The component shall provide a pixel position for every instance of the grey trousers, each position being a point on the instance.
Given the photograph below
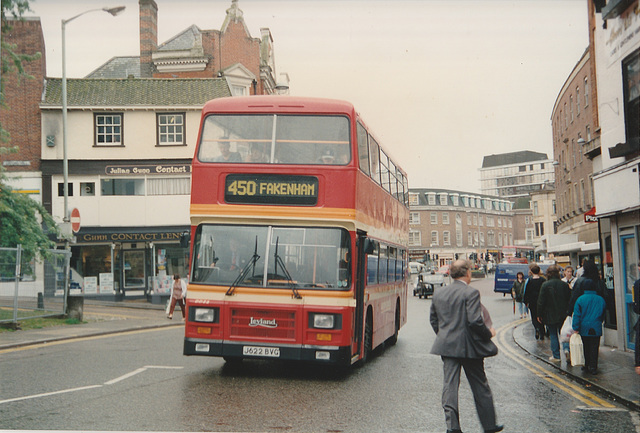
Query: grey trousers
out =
(474, 370)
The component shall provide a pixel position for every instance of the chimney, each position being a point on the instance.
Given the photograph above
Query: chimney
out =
(148, 36)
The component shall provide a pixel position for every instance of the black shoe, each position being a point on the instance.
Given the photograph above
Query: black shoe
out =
(537, 334)
(454, 431)
(495, 429)
(583, 368)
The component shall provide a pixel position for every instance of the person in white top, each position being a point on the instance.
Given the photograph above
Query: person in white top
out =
(178, 294)
(568, 276)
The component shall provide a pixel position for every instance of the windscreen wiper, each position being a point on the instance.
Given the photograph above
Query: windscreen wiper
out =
(278, 261)
(245, 271)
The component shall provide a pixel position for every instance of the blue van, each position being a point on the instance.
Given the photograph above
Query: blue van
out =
(506, 274)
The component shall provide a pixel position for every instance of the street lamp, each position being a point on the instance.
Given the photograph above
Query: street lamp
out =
(65, 162)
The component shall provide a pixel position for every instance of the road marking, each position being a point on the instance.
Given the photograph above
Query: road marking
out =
(47, 394)
(568, 387)
(84, 388)
(139, 370)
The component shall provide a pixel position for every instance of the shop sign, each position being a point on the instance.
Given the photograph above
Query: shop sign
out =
(590, 216)
(128, 237)
(136, 170)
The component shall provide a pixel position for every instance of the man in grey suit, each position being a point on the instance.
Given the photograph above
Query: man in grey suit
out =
(463, 340)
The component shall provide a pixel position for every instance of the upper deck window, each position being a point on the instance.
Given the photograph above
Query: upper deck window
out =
(275, 139)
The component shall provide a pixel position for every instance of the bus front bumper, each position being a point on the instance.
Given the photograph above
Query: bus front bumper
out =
(294, 352)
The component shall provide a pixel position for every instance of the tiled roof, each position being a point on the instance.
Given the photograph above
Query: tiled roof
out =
(118, 67)
(512, 158)
(135, 92)
(184, 40)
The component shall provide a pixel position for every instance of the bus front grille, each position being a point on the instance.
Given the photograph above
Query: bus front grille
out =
(260, 323)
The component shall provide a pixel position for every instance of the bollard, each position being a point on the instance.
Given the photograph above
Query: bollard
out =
(40, 301)
(75, 305)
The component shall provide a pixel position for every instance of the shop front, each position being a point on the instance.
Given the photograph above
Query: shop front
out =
(119, 263)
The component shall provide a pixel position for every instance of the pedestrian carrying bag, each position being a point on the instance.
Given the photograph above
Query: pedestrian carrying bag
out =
(577, 353)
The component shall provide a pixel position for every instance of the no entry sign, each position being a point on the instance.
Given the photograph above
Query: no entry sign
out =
(75, 220)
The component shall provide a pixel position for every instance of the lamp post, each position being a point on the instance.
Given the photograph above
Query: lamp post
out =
(65, 162)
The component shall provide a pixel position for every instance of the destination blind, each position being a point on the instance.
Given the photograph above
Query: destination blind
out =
(271, 189)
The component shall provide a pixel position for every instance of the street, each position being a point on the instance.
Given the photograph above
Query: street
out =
(140, 381)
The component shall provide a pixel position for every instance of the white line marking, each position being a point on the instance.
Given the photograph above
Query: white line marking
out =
(126, 376)
(46, 394)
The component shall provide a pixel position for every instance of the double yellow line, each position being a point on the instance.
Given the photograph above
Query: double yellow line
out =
(574, 390)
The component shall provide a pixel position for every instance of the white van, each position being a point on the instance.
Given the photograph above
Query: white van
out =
(416, 267)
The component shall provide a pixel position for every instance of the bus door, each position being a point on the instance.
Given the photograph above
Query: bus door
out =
(364, 246)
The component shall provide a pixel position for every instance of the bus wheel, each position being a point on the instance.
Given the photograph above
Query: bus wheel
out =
(368, 339)
(394, 338)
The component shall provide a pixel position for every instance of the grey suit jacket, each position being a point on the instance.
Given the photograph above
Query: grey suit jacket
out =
(456, 318)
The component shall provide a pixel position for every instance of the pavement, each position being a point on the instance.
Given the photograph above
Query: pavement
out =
(616, 376)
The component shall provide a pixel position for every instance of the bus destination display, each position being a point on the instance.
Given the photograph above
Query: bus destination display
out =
(271, 189)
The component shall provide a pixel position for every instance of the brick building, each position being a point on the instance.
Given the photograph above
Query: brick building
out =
(247, 63)
(21, 116)
(575, 134)
(447, 223)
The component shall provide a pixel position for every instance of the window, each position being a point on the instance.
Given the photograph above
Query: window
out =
(69, 189)
(586, 92)
(431, 198)
(434, 238)
(583, 195)
(169, 186)
(475, 220)
(481, 239)
(434, 218)
(539, 229)
(578, 101)
(415, 238)
(87, 188)
(443, 199)
(414, 200)
(414, 218)
(500, 239)
(171, 129)
(446, 238)
(445, 218)
(122, 186)
(571, 106)
(468, 219)
(535, 208)
(526, 219)
(469, 239)
(491, 238)
(553, 207)
(522, 168)
(529, 235)
(108, 128)
(631, 83)
(363, 149)
(455, 200)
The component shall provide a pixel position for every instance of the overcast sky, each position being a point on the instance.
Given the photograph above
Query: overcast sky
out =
(441, 83)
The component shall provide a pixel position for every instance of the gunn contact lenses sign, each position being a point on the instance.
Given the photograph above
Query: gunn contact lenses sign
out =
(271, 189)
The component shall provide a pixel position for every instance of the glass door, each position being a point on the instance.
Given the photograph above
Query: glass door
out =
(629, 249)
(134, 270)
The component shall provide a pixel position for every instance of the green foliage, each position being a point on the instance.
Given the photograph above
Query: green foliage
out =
(20, 218)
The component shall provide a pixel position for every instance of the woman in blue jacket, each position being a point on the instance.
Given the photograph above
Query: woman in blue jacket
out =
(588, 315)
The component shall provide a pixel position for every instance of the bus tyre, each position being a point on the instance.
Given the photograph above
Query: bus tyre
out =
(394, 338)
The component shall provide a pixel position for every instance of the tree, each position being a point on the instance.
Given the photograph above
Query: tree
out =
(22, 219)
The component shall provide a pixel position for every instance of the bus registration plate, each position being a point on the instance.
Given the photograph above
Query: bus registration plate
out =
(273, 352)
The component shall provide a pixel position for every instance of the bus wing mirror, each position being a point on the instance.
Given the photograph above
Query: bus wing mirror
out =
(369, 246)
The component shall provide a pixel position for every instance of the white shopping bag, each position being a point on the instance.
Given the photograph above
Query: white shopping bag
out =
(577, 353)
(566, 331)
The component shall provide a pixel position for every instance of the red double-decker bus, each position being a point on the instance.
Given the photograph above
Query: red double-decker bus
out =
(299, 228)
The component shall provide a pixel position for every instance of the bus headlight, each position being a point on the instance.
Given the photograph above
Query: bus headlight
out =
(204, 315)
(323, 321)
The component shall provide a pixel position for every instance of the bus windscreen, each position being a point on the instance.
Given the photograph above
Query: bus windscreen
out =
(275, 139)
(269, 256)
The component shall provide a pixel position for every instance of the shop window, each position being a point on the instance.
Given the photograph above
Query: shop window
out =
(631, 74)
(122, 186)
(169, 186)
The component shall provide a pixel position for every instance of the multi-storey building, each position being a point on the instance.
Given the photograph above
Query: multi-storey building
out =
(445, 224)
(615, 44)
(574, 125)
(515, 174)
